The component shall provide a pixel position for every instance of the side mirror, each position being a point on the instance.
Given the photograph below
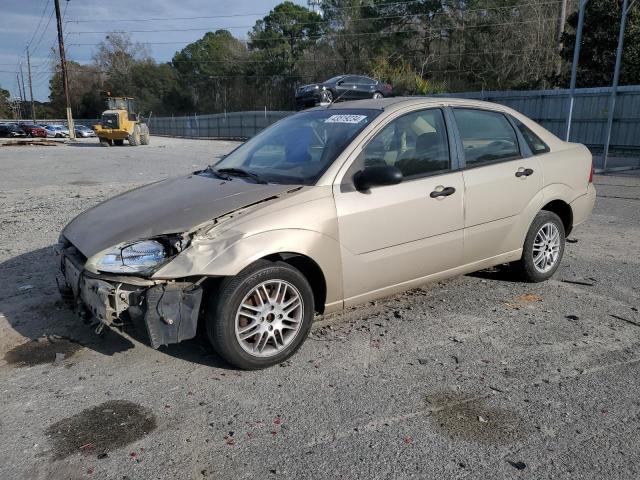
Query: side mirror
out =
(339, 82)
(377, 175)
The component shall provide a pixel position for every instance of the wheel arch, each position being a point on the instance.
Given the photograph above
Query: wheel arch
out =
(563, 210)
(310, 270)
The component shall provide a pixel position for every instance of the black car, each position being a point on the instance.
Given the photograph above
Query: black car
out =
(11, 130)
(342, 87)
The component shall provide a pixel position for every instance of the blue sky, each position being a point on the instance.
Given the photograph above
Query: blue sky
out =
(32, 21)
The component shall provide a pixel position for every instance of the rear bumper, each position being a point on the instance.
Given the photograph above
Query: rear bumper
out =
(583, 205)
(169, 310)
(111, 133)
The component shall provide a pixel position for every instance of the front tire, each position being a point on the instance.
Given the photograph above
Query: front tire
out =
(260, 317)
(377, 95)
(543, 248)
(134, 138)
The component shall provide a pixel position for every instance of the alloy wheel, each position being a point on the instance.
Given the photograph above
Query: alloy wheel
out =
(269, 318)
(546, 247)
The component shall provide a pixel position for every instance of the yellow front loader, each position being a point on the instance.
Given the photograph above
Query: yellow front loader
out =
(120, 122)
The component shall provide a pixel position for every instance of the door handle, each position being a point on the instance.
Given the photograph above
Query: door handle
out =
(441, 192)
(524, 172)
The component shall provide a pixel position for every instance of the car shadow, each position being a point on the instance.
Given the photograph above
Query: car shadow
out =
(502, 273)
(83, 144)
(31, 304)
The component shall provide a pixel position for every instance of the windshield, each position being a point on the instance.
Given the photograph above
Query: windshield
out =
(298, 149)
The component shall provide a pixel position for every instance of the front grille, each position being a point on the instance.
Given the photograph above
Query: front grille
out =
(110, 120)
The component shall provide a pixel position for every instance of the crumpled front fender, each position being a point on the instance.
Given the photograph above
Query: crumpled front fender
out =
(229, 254)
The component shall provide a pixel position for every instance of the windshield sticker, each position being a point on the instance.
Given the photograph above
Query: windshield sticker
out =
(345, 119)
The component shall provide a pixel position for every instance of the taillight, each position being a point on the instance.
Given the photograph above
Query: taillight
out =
(591, 173)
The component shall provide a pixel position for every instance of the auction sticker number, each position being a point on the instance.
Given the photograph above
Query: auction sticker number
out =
(345, 119)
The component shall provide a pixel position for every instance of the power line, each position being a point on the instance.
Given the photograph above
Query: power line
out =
(364, 19)
(346, 35)
(288, 14)
(35, 32)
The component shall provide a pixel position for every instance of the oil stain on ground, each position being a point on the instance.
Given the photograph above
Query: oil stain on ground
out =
(100, 429)
(465, 417)
(41, 351)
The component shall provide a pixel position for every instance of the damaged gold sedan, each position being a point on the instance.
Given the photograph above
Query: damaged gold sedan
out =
(326, 209)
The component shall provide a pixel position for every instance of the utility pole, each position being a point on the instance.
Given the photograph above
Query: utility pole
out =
(24, 92)
(33, 110)
(19, 93)
(63, 66)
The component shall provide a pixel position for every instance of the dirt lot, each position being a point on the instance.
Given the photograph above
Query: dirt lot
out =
(475, 377)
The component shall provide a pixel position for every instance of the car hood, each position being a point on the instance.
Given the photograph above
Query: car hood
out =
(169, 206)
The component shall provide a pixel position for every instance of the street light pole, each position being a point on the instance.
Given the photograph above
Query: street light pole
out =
(63, 66)
(574, 64)
(616, 79)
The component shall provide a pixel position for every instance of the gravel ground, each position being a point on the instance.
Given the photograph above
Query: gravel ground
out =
(475, 377)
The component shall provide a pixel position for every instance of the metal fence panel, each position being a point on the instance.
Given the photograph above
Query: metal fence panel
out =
(550, 108)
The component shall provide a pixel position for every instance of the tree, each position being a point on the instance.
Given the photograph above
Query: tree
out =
(210, 69)
(283, 48)
(600, 42)
(5, 107)
(85, 83)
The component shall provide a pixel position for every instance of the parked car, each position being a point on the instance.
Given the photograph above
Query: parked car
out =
(84, 131)
(11, 130)
(342, 87)
(327, 209)
(33, 130)
(58, 131)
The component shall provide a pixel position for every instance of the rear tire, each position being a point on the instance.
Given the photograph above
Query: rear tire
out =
(144, 135)
(267, 286)
(104, 142)
(326, 96)
(134, 138)
(543, 248)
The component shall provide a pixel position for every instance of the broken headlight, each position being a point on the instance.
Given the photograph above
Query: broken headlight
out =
(138, 257)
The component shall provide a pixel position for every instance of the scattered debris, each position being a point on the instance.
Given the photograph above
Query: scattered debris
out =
(408, 440)
(528, 298)
(625, 320)
(34, 142)
(102, 455)
(571, 240)
(577, 282)
(518, 465)
(481, 419)
(572, 317)
(523, 300)
(25, 287)
(423, 361)
(59, 358)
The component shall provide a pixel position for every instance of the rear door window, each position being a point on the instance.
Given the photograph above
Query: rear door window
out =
(487, 136)
(535, 143)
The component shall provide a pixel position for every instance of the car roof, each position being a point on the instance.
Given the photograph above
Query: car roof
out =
(394, 103)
